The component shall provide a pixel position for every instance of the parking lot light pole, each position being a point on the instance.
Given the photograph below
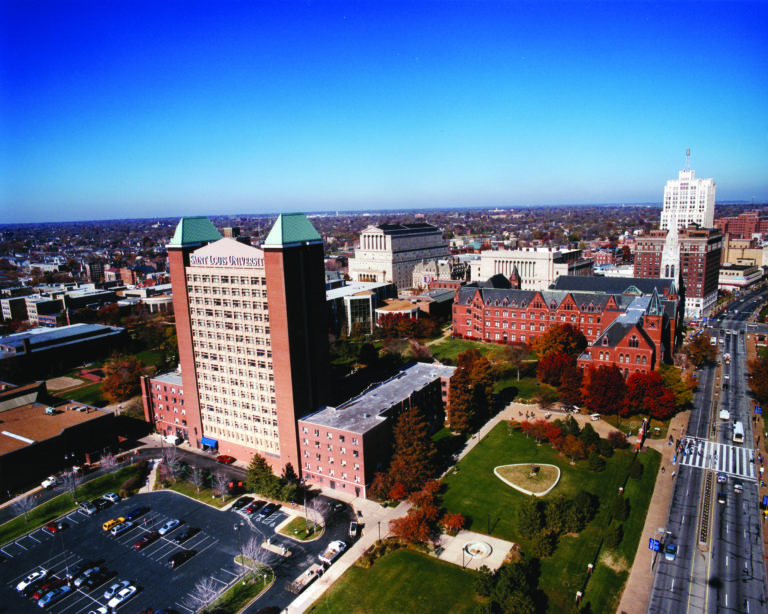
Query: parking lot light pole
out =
(306, 518)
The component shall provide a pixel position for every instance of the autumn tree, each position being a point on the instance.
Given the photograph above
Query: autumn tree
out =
(562, 338)
(471, 392)
(672, 380)
(700, 350)
(573, 447)
(413, 458)
(552, 366)
(570, 386)
(515, 356)
(452, 523)
(646, 394)
(604, 390)
(758, 380)
(121, 378)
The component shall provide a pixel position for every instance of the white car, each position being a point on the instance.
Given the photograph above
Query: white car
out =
(121, 528)
(112, 496)
(169, 526)
(35, 575)
(50, 482)
(116, 588)
(122, 596)
(87, 574)
(101, 610)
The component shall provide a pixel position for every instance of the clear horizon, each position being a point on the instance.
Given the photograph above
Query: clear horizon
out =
(137, 110)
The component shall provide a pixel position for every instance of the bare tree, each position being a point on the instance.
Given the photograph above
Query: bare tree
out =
(197, 477)
(256, 558)
(70, 479)
(109, 460)
(172, 461)
(220, 482)
(318, 512)
(202, 594)
(23, 505)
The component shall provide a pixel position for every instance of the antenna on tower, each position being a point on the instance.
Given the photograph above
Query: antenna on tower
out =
(688, 159)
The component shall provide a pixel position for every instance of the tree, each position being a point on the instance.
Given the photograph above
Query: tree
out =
(604, 390)
(596, 462)
(613, 536)
(620, 508)
(318, 511)
(220, 482)
(544, 543)
(412, 528)
(573, 447)
(108, 461)
(588, 435)
(471, 392)
(530, 519)
(562, 338)
(121, 378)
(515, 356)
(647, 394)
(23, 505)
(570, 386)
(520, 603)
(545, 397)
(552, 366)
(700, 350)
(452, 523)
(580, 511)
(197, 477)
(260, 479)
(70, 480)
(413, 457)
(663, 407)
(758, 379)
(256, 558)
(618, 439)
(203, 593)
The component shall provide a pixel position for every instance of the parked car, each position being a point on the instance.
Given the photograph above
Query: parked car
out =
(146, 540)
(88, 508)
(722, 498)
(738, 487)
(96, 580)
(184, 535)
(54, 527)
(49, 482)
(121, 528)
(226, 459)
(123, 596)
(670, 552)
(111, 523)
(169, 526)
(135, 513)
(87, 574)
(79, 568)
(112, 496)
(353, 529)
(180, 557)
(722, 478)
(116, 588)
(47, 587)
(254, 507)
(241, 503)
(101, 503)
(268, 510)
(40, 574)
(53, 596)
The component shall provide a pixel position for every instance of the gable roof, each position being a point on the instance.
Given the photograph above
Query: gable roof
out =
(614, 285)
(194, 230)
(292, 229)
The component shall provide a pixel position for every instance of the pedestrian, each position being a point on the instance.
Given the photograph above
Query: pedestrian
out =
(663, 469)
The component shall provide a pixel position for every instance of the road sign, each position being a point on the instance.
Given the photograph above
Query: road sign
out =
(758, 409)
(653, 544)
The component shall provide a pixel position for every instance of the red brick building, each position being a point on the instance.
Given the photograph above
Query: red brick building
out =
(163, 398)
(343, 447)
(744, 226)
(648, 249)
(626, 321)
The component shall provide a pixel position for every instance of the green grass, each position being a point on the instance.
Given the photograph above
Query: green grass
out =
(297, 528)
(402, 581)
(239, 595)
(149, 358)
(64, 503)
(526, 387)
(206, 495)
(633, 424)
(90, 395)
(449, 349)
(478, 494)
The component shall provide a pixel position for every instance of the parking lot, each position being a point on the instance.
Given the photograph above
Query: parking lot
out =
(216, 544)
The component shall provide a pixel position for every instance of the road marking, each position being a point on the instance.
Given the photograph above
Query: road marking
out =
(726, 600)
(231, 573)
(183, 607)
(208, 546)
(30, 537)
(19, 545)
(726, 561)
(672, 589)
(5, 553)
(69, 517)
(217, 580)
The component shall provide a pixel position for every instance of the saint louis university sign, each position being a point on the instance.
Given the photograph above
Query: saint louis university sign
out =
(227, 253)
(226, 261)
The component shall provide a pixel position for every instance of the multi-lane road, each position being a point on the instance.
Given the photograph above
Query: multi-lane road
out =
(719, 562)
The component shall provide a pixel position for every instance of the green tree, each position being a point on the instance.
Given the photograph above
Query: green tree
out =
(530, 519)
(613, 536)
(544, 543)
(581, 509)
(596, 462)
(620, 507)
(589, 436)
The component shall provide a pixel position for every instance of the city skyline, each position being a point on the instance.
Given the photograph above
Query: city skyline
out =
(138, 110)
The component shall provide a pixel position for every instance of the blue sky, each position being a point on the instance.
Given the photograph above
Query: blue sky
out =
(134, 109)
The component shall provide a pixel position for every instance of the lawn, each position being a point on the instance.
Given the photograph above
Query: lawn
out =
(485, 500)
(91, 395)
(402, 581)
(149, 358)
(297, 528)
(206, 495)
(448, 349)
(240, 595)
(526, 387)
(633, 424)
(64, 503)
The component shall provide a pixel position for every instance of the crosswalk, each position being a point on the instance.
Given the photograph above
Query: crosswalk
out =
(720, 457)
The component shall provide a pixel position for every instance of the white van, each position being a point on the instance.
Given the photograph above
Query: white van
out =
(174, 440)
(594, 417)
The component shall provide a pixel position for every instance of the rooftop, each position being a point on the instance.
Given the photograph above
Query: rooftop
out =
(367, 410)
(49, 337)
(292, 229)
(171, 377)
(193, 231)
(354, 287)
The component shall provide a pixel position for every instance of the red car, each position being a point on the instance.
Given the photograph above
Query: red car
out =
(54, 527)
(226, 459)
(48, 586)
(147, 539)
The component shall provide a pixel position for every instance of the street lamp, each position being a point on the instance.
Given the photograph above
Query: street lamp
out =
(306, 518)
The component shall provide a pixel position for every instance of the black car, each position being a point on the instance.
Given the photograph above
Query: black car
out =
(96, 580)
(180, 538)
(241, 503)
(79, 568)
(139, 511)
(268, 510)
(180, 557)
(100, 503)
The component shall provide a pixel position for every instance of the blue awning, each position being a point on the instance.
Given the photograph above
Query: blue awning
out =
(211, 443)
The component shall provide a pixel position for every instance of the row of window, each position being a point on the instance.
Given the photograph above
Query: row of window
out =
(328, 435)
(331, 473)
(226, 279)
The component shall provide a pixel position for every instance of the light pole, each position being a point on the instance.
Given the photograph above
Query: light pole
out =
(306, 518)
(379, 530)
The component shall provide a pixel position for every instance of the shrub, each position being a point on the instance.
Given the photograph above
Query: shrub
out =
(620, 508)
(605, 448)
(617, 439)
(613, 536)
(596, 462)
(131, 484)
(544, 544)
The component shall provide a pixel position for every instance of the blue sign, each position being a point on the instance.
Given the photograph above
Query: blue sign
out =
(674, 459)
(758, 409)
(653, 544)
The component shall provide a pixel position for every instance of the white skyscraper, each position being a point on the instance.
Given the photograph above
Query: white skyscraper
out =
(687, 200)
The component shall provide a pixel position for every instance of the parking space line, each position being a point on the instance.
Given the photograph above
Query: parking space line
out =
(217, 580)
(208, 546)
(30, 537)
(5, 553)
(20, 546)
(69, 517)
(183, 607)
(231, 573)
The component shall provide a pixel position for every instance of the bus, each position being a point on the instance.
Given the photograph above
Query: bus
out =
(738, 433)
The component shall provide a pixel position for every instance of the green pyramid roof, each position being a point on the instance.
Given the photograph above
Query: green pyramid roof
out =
(290, 229)
(194, 230)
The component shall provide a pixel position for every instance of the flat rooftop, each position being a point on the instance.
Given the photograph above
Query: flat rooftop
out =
(28, 424)
(367, 410)
(353, 288)
(171, 377)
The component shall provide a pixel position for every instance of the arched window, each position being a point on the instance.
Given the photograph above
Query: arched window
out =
(487, 301)
(645, 360)
(634, 342)
(637, 359)
(601, 355)
(605, 340)
(553, 304)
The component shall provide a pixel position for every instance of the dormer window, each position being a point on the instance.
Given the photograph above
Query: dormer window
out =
(553, 305)
(605, 340)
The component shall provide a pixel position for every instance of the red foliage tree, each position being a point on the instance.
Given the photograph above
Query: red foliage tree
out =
(539, 430)
(570, 386)
(551, 368)
(554, 432)
(663, 407)
(398, 492)
(574, 447)
(452, 523)
(647, 394)
(604, 390)
(412, 528)
(414, 451)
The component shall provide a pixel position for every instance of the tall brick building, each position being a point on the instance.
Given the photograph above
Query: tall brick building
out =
(745, 226)
(253, 346)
